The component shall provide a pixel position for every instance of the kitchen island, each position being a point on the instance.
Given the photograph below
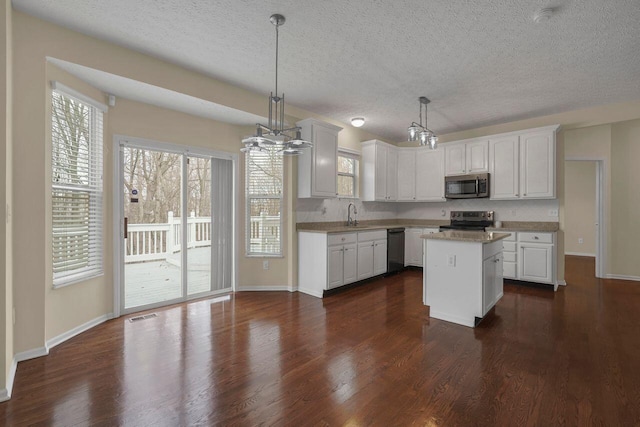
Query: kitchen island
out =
(462, 278)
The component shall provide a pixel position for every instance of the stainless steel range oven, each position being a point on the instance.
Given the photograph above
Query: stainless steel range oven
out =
(469, 220)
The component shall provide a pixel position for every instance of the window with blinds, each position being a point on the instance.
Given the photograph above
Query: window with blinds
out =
(348, 166)
(264, 175)
(76, 190)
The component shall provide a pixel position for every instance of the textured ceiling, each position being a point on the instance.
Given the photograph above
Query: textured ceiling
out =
(480, 62)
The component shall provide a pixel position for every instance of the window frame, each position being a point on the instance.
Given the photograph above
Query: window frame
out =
(355, 155)
(93, 188)
(257, 196)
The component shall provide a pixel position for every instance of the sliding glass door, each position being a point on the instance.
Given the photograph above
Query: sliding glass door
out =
(177, 225)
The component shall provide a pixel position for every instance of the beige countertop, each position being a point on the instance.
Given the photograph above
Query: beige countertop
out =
(467, 236)
(340, 226)
(526, 226)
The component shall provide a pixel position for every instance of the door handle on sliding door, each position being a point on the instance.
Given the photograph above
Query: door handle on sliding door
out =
(126, 224)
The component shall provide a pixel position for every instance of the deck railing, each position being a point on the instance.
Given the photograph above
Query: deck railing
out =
(156, 242)
(153, 242)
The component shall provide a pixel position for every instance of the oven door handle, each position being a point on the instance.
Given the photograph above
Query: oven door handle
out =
(477, 186)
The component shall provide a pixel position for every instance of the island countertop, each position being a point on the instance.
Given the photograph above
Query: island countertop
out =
(467, 236)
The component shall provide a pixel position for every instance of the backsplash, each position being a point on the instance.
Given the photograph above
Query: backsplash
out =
(505, 210)
(328, 210)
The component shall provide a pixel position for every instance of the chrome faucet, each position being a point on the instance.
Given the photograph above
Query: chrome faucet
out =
(352, 221)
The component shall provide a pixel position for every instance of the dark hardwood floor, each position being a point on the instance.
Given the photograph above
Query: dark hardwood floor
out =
(368, 356)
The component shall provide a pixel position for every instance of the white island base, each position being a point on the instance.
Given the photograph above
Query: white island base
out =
(462, 275)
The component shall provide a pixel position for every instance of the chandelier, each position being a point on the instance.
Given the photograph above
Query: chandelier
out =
(420, 133)
(287, 141)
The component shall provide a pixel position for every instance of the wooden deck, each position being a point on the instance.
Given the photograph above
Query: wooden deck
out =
(157, 281)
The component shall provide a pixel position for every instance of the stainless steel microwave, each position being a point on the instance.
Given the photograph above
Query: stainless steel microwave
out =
(466, 186)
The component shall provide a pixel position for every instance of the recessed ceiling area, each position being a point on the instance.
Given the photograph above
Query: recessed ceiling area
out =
(134, 90)
(480, 63)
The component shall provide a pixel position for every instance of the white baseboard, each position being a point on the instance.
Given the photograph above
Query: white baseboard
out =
(580, 254)
(31, 354)
(5, 393)
(562, 282)
(312, 292)
(77, 330)
(280, 288)
(622, 277)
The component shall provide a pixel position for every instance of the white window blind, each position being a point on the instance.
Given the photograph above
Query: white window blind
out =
(76, 193)
(348, 167)
(264, 175)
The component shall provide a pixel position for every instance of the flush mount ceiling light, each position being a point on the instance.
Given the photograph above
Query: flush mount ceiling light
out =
(357, 121)
(274, 135)
(420, 133)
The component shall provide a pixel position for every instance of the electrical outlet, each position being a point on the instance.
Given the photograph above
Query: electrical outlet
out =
(580, 240)
(443, 212)
(451, 262)
(265, 265)
(553, 212)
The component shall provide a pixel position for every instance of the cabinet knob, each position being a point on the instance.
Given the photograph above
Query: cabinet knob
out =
(517, 194)
(524, 194)
(536, 238)
(372, 245)
(343, 239)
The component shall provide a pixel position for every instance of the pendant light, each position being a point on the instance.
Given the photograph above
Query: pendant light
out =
(287, 141)
(420, 133)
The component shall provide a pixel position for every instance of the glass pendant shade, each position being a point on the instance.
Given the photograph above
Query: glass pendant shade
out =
(433, 142)
(413, 133)
(424, 137)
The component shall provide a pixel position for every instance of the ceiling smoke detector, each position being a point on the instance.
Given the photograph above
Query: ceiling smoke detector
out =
(543, 14)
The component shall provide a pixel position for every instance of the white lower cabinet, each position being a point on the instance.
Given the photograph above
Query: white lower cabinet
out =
(492, 282)
(414, 245)
(529, 256)
(342, 265)
(328, 261)
(372, 253)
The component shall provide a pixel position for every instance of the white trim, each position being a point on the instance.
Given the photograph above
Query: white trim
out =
(623, 277)
(580, 254)
(77, 330)
(31, 354)
(602, 218)
(313, 292)
(66, 90)
(5, 393)
(268, 288)
(349, 152)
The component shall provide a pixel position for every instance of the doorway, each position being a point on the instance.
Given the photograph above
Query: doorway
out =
(174, 215)
(584, 210)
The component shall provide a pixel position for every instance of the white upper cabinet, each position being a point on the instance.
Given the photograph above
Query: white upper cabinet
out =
(505, 167)
(420, 174)
(380, 171)
(466, 157)
(538, 165)
(317, 166)
(523, 166)
(429, 175)
(407, 174)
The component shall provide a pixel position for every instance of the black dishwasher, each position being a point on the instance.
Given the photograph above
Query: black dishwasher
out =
(395, 249)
